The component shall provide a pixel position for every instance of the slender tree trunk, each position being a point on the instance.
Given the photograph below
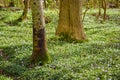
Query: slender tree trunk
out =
(45, 4)
(117, 3)
(57, 3)
(11, 4)
(100, 3)
(70, 24)
(105, 9)
(39, 36)
(25, 11)
(87, 8)
(5, 4)
(21, 4)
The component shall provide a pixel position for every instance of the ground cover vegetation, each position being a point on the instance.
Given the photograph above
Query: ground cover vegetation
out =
(97, 58)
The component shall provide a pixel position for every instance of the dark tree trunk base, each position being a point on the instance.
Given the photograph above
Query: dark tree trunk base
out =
(39, 47)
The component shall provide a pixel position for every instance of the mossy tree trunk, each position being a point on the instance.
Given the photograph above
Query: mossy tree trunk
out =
(70, 24)
(25, 11)
(39, 37)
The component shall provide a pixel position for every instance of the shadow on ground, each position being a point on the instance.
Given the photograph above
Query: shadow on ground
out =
(15, 59)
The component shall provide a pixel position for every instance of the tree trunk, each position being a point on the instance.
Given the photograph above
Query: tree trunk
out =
(87, 8)
(70, 24)
(57, 3)
(45, 4)
(100, 3)
(25, 11)
(11, 4)
(5, 3)
(117, 3)
(21, 4)
(39, 37)
(104, 5)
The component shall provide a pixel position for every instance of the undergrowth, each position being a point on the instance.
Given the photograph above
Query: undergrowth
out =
(96, 59)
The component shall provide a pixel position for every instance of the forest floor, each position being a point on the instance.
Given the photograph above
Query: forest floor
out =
(96, 59)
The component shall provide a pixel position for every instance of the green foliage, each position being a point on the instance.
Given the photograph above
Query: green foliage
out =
(11, 69)
(4, 78)
(98, 58)
(50, 3)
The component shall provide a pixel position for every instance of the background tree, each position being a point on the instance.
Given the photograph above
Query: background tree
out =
(45, 4)
(39, 39)
(12, 3)
(104, 6)
(51, 3)
(100, 5)
(25, 11)
(117, 3)
(87, 6)
(70, 24)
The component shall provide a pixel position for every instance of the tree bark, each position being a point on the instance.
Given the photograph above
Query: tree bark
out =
(11, 4)
(104, 5)
(70, 24)
(117, 3)
(45, 4)
(25, 11)
(100, 5)
(39, 36)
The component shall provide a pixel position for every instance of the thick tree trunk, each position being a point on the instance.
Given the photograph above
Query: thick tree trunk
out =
(39, 39)
(70, 24)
